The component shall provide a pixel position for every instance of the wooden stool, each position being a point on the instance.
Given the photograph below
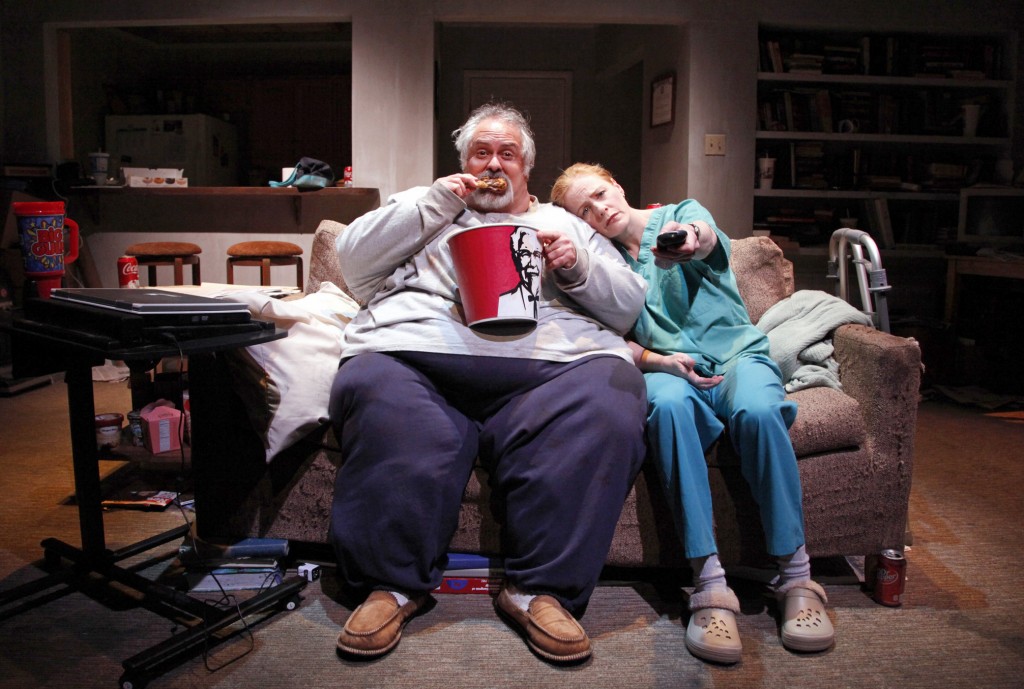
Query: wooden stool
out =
(264, 255)
(177, 254)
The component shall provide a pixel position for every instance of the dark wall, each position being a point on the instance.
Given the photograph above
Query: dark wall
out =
(606, 107)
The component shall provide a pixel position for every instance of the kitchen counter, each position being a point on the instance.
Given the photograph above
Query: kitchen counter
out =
(216, 209)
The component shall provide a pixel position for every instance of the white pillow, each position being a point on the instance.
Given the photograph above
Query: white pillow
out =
(285, 384)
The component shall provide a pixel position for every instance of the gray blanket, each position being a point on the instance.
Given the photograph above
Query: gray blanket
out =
(799, 329)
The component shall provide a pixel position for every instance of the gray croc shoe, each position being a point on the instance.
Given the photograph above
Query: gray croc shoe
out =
(805, 623)
(711, 633)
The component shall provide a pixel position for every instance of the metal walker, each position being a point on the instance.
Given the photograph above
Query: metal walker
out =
(848, 246)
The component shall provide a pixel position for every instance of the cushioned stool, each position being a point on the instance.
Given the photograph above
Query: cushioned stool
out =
(265, 255)
(177, 254)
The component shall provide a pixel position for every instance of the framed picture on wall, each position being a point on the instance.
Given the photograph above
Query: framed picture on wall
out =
(663, 99)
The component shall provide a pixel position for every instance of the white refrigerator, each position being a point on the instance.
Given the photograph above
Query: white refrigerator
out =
(205, 147)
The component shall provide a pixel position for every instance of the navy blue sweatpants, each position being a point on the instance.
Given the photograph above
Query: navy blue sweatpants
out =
(563, 442)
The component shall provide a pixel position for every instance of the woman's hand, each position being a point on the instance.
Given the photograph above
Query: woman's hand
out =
(699, 235)
(682, 365)
(559, 250)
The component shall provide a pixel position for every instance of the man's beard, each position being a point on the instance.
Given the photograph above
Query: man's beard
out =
(489, 202)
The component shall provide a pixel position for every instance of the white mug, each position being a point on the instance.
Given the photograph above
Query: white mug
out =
(765, 172)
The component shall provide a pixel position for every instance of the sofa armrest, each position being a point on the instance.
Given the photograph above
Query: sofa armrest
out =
(883, 373)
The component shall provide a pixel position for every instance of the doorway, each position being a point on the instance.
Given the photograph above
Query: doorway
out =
(581, 108)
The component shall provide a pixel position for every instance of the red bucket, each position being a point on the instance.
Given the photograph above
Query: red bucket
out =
(498, 270)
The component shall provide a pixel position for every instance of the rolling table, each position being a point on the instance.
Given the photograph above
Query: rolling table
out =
(42, 346)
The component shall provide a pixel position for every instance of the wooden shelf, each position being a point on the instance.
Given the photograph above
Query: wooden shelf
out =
(856, 194)
(882, 81)
(858, 138)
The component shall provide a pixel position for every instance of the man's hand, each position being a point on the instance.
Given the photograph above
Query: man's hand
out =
(461, 184)
(559, 250)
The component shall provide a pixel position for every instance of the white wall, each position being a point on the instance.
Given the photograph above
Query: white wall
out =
(392, 96)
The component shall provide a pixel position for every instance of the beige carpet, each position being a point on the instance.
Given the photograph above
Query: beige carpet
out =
(960, 626)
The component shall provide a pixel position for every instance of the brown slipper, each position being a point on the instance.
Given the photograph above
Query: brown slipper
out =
(375, 627)
(550, 631)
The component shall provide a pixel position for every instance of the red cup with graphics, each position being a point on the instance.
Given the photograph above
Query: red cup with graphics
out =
(498, 270)
(49, 242)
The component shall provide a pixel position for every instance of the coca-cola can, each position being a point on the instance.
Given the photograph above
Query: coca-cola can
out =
(886, 574)
(128, 271)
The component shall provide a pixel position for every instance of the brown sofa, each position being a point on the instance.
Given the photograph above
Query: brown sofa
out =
(855, 452)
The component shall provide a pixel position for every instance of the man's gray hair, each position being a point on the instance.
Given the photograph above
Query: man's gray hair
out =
(463, 136)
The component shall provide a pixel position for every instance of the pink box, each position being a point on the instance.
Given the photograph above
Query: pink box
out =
(161, 427)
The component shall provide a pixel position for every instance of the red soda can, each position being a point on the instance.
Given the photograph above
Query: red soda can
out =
(890, 577)
(128, 271)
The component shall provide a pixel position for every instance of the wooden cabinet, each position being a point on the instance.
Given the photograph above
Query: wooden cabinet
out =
(883, 127)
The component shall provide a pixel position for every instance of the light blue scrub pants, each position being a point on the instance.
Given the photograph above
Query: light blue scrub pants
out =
(682, 424)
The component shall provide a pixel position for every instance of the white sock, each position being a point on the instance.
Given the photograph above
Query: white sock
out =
(708, 574)
(795, 567)
(401, 598)
(522, 600)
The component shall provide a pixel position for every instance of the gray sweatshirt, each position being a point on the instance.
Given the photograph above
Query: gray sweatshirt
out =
(397, 264)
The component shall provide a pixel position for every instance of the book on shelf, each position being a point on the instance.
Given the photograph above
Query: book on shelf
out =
(877, 212)
(843, 59)
(772, 57)
(29, 170)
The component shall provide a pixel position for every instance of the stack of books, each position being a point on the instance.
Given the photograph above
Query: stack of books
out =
(470, 573)
(254, 573)
(252, 563)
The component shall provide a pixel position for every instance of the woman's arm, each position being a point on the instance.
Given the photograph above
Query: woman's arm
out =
(677, 364)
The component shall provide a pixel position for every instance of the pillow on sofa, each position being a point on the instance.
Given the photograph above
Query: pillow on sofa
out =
(285, 384)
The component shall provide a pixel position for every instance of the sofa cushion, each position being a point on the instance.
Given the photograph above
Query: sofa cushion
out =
(286, 383)
(827, 420)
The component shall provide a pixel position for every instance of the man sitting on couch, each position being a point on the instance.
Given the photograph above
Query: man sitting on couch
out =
(556, 414)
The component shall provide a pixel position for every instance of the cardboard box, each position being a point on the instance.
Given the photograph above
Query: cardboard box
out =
(161, 427)
(154, 177)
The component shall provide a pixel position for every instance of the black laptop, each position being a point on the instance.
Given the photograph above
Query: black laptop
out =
(157, 306)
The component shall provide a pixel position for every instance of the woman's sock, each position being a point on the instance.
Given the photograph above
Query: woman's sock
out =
(708, 574)
(795, 567)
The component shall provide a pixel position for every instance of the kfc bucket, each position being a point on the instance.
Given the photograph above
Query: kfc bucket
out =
(498, 270)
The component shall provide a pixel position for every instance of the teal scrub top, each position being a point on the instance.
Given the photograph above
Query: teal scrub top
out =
(693, 307)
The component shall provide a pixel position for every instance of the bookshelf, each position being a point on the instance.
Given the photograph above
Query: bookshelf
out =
(885, 127)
